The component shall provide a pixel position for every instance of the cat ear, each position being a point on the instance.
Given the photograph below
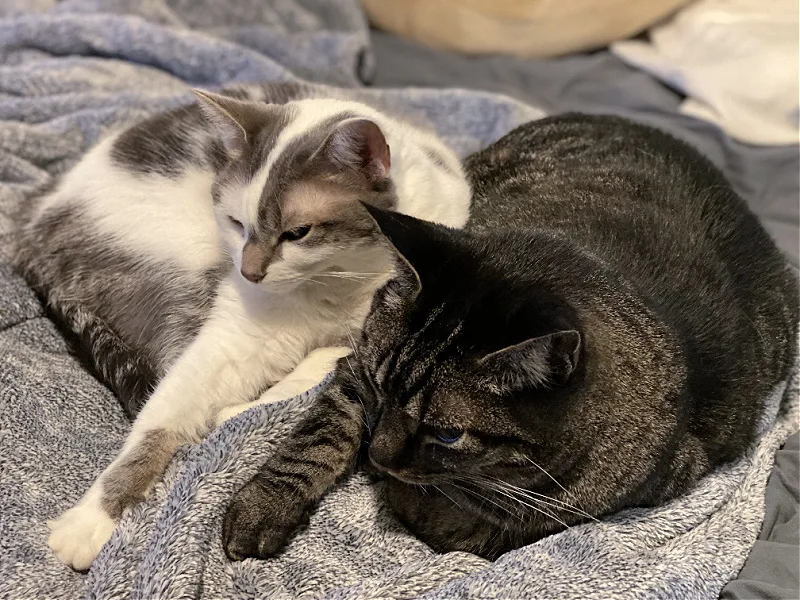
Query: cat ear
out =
(235, 121)
(542, 361)
(413, 240)
(359, 145)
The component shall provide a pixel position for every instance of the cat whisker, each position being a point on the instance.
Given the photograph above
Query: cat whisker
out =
(312, 280)
(300, 278)
(560, 505)
(542, 469)
(483, 498)
(360, 401)
(441, 491)
(353, 276)
(351, 273)
(541, 503)
(349, 333)
(525, 496)
(536, 507)
(543, 498)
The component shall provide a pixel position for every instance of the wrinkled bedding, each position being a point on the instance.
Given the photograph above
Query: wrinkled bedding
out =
(69, 73)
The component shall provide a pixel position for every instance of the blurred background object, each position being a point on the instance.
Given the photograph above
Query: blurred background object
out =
(735, 60)
(531, 28)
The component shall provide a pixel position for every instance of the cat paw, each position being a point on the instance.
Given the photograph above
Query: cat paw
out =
(78, 534)
(256, 524)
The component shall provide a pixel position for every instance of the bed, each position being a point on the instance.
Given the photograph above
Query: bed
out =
(73, 70)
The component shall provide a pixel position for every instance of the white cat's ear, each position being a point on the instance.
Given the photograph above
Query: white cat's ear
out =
(359, 145)
(538, 362)
(235, 121)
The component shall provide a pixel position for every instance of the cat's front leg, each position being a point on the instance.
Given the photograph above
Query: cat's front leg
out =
(320, 452)
(78, 534)
(226, 364)
(309, 373)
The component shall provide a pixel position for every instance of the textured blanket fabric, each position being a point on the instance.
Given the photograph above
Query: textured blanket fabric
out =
(69, 73)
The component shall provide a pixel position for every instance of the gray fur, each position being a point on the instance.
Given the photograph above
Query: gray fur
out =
(168, 143)
(627, 311)
(99, 293)
(129, 481)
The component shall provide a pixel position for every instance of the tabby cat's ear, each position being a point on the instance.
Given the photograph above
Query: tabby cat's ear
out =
(235, 121)
(543, 361)
(415, 242)
(359, 146)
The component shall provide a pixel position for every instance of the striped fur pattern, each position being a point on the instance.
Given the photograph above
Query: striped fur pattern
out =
(601, 337)
(212, 252)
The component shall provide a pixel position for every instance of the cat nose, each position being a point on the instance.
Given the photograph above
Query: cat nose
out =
(386, 450)
(254, 275)
(255, 259)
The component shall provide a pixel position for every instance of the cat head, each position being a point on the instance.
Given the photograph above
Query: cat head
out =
(472, 360)
(288, 198)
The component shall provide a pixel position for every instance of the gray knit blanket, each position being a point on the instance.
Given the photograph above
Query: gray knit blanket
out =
(70, 71)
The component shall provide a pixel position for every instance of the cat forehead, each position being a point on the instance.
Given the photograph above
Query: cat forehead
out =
(310, 123)
(310, 201)
(283, 159)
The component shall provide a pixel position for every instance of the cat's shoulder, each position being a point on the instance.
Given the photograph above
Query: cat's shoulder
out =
(167, 143)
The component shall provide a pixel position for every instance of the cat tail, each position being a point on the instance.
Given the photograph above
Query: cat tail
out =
(128, 372)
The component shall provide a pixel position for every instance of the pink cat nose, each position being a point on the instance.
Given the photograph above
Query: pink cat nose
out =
(254, 275)
(255, 260)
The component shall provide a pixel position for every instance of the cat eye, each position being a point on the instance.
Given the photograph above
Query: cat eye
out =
(448, 436)
(297, 233)
(236, 223)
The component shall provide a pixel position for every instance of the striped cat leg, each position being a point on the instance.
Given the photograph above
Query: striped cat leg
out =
(320, 452)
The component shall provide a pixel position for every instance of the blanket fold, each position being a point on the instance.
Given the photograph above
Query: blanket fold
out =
(74, 70)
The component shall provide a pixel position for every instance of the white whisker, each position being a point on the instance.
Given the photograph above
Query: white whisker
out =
(519, 494)
(483, 498)
(441, 491)
(541, 468)
(364, 408)
(543, 498)
(538, 509)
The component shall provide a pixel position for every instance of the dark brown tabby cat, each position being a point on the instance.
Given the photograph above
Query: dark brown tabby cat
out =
(603, 337)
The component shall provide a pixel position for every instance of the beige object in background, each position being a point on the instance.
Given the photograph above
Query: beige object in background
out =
(532, 28)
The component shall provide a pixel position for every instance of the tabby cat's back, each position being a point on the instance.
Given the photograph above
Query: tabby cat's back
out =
(662, 216)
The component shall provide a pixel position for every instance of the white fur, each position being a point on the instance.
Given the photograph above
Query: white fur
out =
(168, 220)
(424, 190)
(305, 376)
(78, 534)
(256, 335)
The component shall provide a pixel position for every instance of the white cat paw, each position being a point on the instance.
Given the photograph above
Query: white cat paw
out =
(78, 534)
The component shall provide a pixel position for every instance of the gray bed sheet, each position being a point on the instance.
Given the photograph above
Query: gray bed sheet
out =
(766, 177)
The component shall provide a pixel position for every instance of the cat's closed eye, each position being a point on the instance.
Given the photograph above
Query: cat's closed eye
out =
(296, 233)
(236, 223)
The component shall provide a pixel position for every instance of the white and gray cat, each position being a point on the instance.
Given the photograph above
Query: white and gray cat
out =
(214, 252)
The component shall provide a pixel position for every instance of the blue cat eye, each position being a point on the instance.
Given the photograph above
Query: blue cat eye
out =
(448, 436)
